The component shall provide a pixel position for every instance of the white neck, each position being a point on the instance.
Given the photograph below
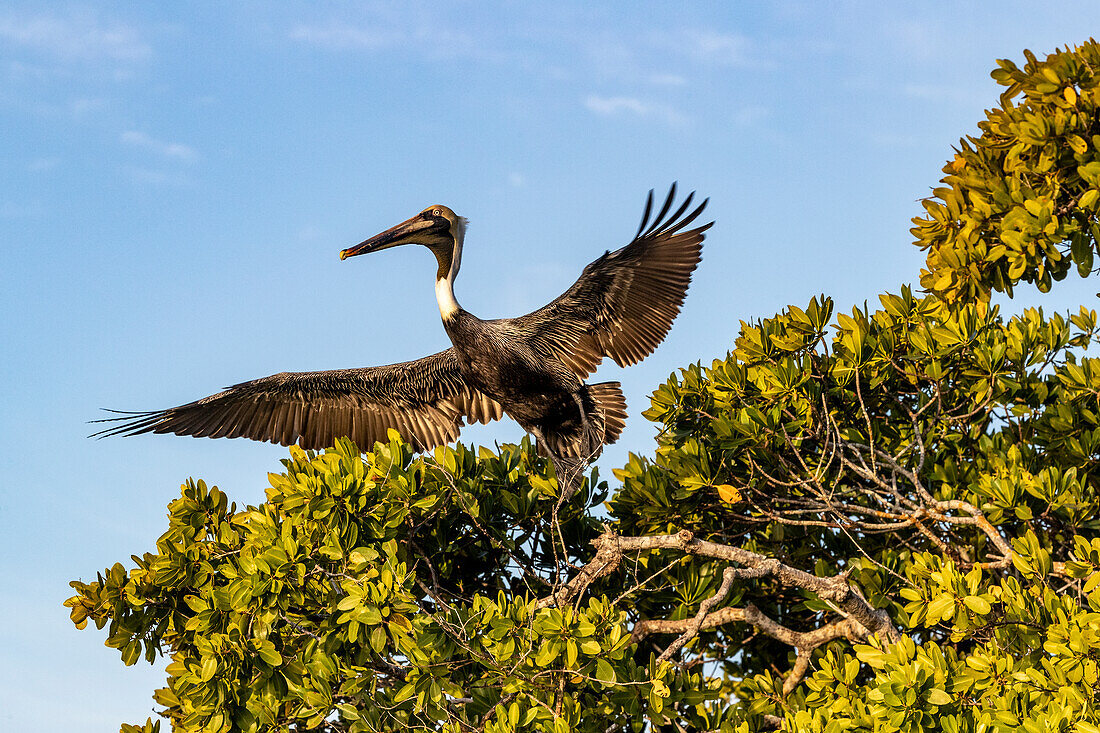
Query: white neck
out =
(445, 296)
(444, 287)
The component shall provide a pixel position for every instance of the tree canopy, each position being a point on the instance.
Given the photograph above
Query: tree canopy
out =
(880, 520)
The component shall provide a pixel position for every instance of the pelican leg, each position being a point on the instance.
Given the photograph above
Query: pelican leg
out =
(569, 476)
(593, 433)
(567, 471)
(580, 406)
(586, 447)
(539, 439)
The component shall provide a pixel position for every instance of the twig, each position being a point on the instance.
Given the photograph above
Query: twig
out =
(696, 623)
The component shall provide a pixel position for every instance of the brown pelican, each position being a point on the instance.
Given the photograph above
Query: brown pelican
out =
(529, 367)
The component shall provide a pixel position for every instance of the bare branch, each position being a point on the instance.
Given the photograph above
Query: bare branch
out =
(608, 556)
(804, 642)
(714, 619)
(833, 589)
(696, 623)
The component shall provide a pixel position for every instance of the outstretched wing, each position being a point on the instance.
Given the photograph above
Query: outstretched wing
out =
(624, 303)
(426, 400)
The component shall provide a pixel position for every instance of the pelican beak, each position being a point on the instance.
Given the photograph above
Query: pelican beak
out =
(404, 233)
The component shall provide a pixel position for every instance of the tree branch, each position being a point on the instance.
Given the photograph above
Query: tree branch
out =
(696, 623)
(833, 589)
(608, 556)
(804, 642)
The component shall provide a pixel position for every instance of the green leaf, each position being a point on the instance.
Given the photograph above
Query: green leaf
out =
(938, 697)
(209, 667)
(871, 656)
(605, 672)
(546, 654)
(269, 654)
(406, 691)
(131, 652)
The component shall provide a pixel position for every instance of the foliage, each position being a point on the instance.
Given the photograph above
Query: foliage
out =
(882, 520)
(373, 582)
(1020, 201)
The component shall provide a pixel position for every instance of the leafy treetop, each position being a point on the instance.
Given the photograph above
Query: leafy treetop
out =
(1020, 201)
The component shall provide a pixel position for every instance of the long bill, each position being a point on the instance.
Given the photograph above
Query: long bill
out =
(403, 233)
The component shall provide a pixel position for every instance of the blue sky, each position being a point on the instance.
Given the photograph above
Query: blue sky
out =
(177, 180)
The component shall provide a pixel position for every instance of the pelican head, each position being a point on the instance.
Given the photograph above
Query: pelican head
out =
(440, 230)
(436, 227)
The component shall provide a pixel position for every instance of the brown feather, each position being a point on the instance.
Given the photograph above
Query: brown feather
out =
(624, 303)
(426, 400)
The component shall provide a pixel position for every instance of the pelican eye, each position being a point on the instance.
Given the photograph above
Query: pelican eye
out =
(437, 212)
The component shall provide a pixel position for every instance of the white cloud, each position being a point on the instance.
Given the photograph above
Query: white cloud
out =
(709, 48)
(79, 37)
(417, 35)
(613, 106)
(648, 58)
(344, 37)
(179, 151)
(727, 49)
